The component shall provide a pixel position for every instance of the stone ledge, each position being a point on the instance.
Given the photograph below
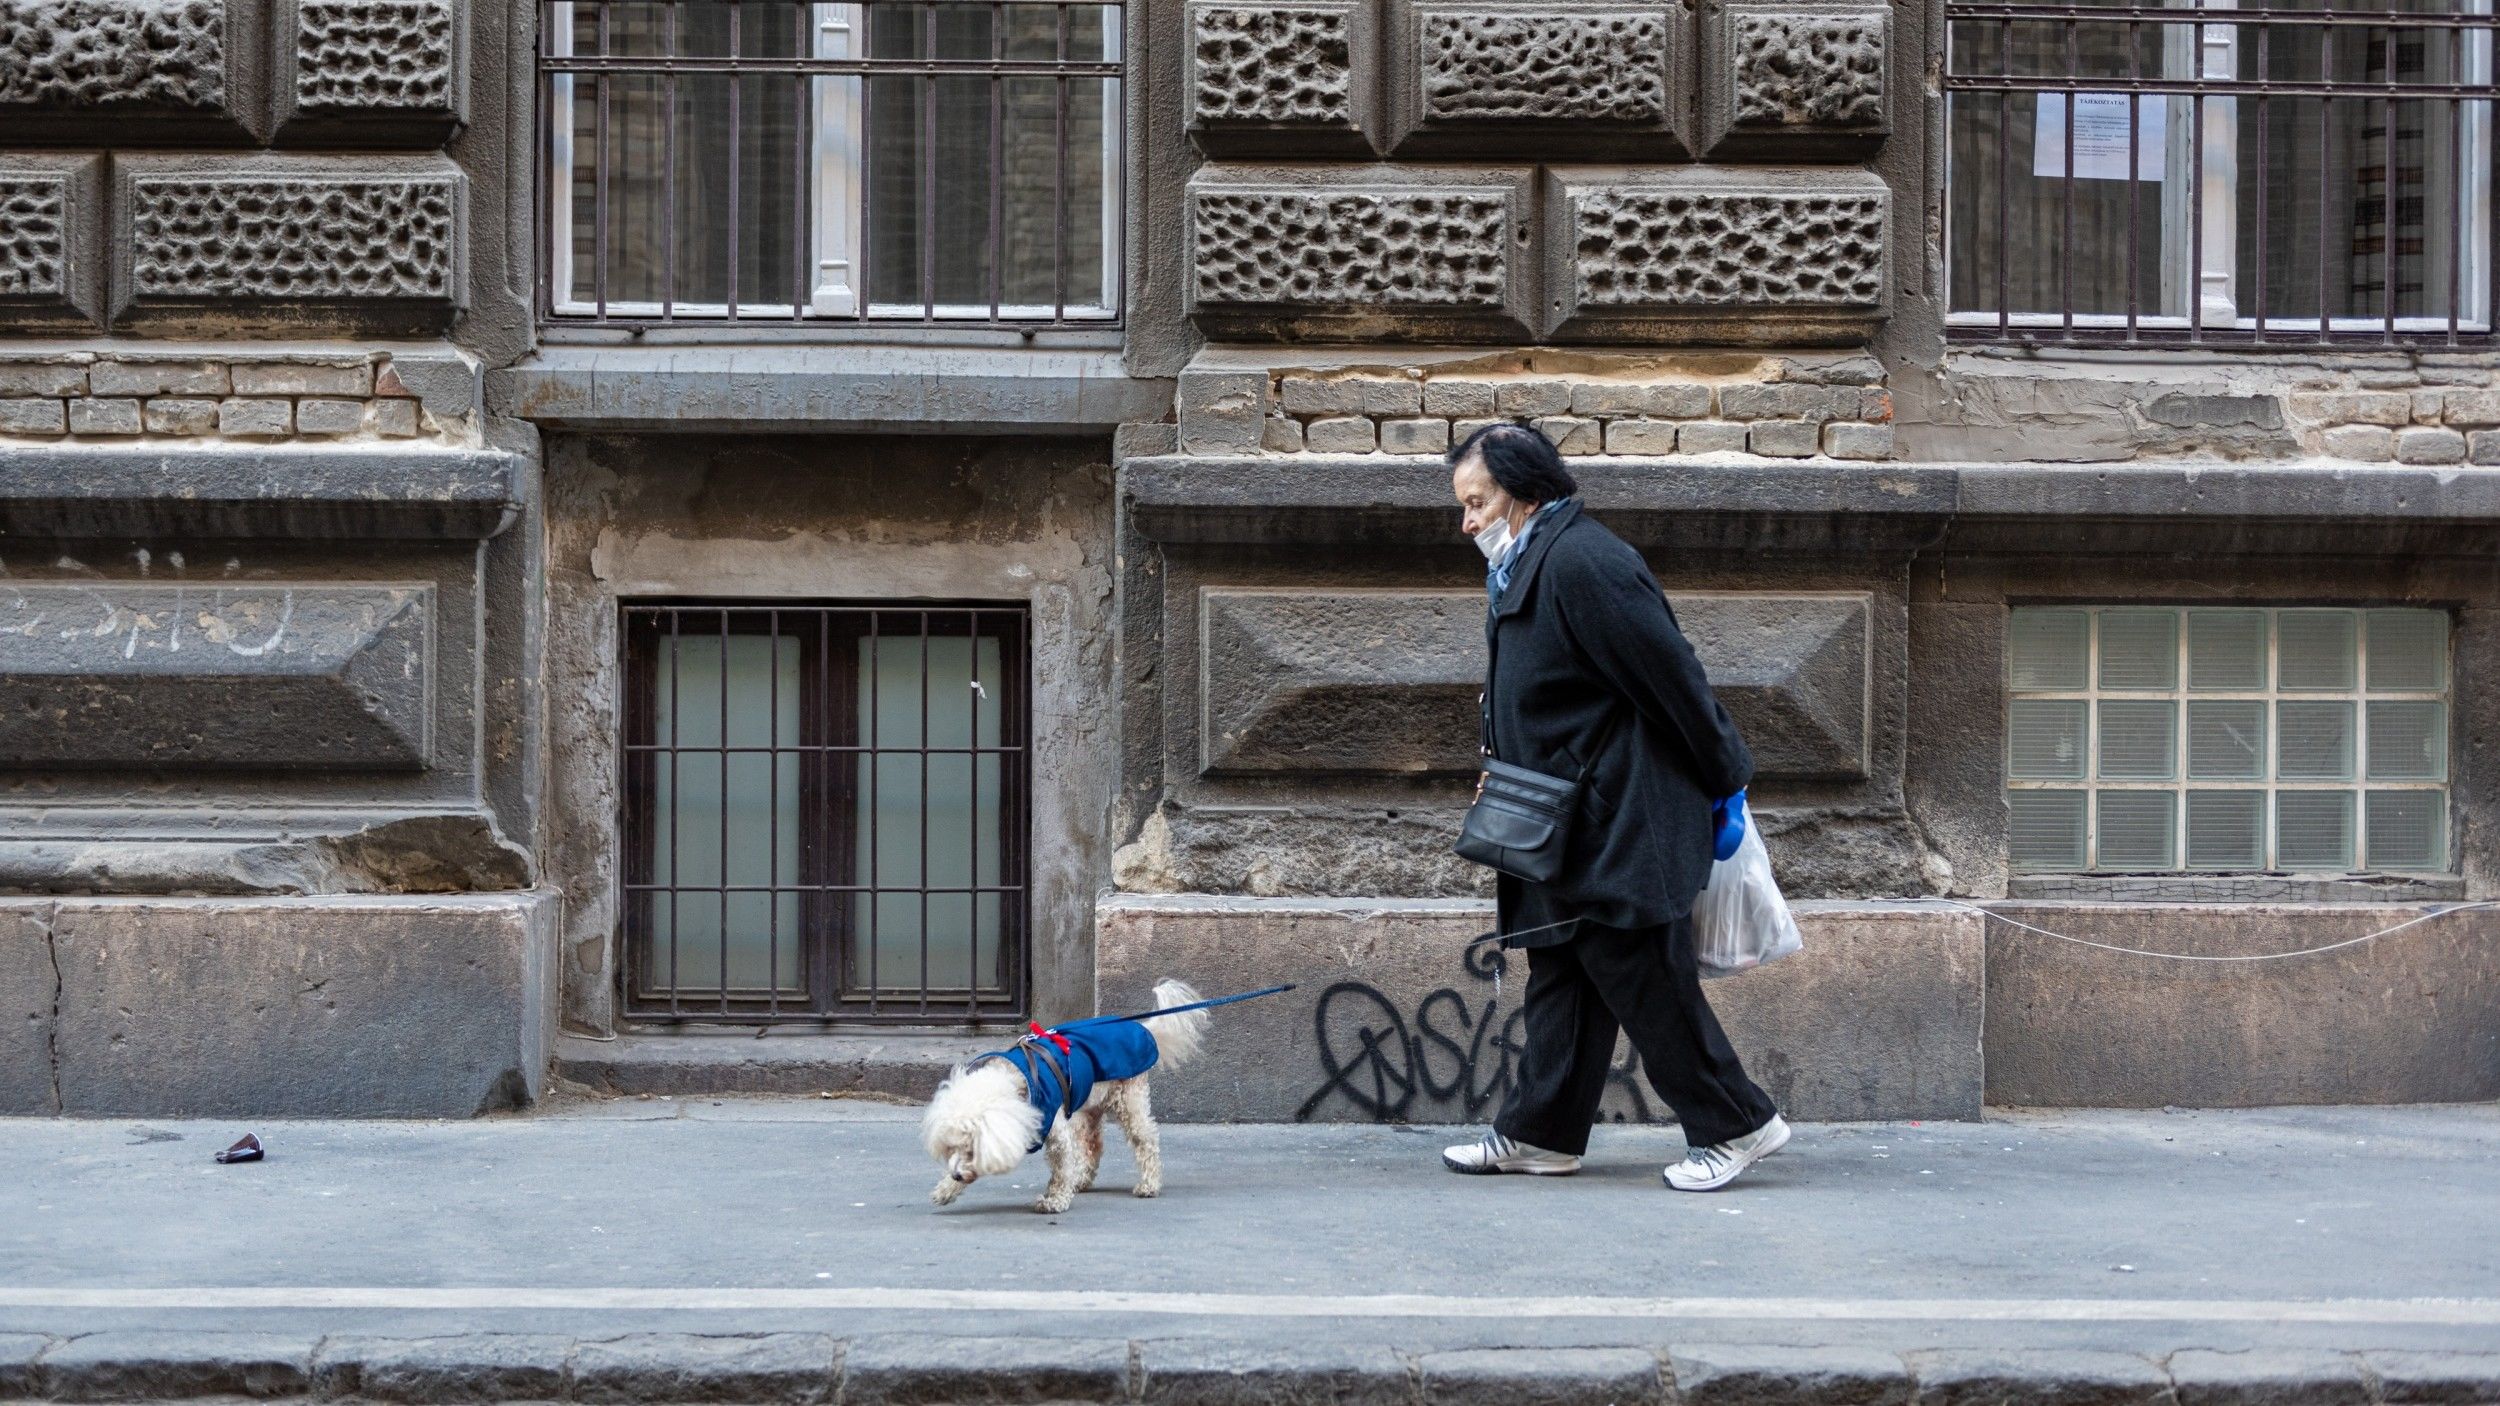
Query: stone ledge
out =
(901, 1066)
(803, 388)
(274, 491)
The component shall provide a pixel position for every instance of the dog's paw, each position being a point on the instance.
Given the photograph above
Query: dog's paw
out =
(1147, 1190)
(1053, 1205)
(945, 1192)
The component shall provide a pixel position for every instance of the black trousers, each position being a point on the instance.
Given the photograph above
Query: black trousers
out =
(1643, 982)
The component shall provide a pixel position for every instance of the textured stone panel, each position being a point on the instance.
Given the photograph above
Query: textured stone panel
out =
(366, 1007)
(385, 70)
(1385, 682)
(1552, 79)
(1756, 256)
(1358, 253)
(1802, 83)
(1878, 1018)
(51, 272)
(181, 69)
(162, 677)
(1268, 81)
(365, 240)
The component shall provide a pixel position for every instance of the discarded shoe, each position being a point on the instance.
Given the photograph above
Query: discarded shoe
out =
(248, 1149)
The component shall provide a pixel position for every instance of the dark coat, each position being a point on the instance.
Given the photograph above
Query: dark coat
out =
(1586, 658)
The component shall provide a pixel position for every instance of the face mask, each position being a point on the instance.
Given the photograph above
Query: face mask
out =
(1495, 539)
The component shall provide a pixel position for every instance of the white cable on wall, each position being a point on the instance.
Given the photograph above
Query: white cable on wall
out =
(2186, 957)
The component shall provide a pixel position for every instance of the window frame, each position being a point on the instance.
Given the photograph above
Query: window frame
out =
(835, 200)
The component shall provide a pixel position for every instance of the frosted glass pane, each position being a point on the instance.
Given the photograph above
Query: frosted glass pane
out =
(725, 819)
(2139, 649)
(2408, 741)
(2227, 740)
(2317, 649)
(2313, 831)
(2314, 741)
(2408, 830)
(2226, 830)
(2408, 650)
(935, 817)
(2226, 649)
(2048, 649)
(2045, 739)
(2136, 830)
(2139, 740)
(2046, 833)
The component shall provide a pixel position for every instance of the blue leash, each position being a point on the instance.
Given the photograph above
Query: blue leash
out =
(1192, 1006)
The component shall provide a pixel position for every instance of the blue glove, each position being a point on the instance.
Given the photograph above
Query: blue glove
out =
(1727, 821)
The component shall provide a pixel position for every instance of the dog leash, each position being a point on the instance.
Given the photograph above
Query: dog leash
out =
(1192, 1006)
(1501, 963)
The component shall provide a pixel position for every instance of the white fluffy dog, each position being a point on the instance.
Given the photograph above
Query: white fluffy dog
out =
(984, 1118)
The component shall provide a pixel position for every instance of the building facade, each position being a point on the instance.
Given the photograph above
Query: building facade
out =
(691, 545)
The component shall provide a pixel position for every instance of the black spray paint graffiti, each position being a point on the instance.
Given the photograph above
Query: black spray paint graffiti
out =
(1452, 1056)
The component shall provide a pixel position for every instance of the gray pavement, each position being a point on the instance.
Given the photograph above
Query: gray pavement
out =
(2148, 1234)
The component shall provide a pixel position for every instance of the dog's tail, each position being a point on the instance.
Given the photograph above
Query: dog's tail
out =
(1178, 1038)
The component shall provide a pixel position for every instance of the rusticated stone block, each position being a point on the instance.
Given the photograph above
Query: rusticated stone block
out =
(1283, 81)
(377, 70)
(1549, 79)
(1384, 682)
(176, 415)
(33, 417)
(1341, 434)
(159, 70)
(293, 678)
(104, 417)
(1701, 254)
(1359, 253)
(371, 242)
(51, 264)
(1794, 82)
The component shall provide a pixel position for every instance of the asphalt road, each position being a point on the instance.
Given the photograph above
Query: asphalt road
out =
(2342, 1228)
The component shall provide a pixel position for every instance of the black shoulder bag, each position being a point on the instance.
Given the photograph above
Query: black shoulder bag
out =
(1520, 822)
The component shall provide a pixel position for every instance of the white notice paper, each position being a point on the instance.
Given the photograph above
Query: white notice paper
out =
(2100, 136)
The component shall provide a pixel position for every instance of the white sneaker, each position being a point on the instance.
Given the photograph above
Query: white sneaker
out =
(1498, 1154)
(1709, 1168)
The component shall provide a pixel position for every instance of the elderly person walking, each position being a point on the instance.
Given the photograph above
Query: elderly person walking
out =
(1589, 677)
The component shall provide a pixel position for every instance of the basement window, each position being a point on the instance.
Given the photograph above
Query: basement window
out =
(2227, 740)
(824, 812)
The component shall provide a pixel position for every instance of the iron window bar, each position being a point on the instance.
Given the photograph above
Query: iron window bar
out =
(2426, 84)
(796, 161)
(814, 848)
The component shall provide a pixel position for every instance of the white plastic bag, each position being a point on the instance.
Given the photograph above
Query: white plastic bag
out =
(1740, 921)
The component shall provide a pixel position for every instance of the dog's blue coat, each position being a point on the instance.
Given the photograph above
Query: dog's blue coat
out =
(1105, 1047)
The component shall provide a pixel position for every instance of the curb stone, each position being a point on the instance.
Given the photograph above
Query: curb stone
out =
(137, 1365)
(2058, 1377)
(785, 1369)
(1788, 1376)
(899, 1369)
(2269, 1377)
(2430, 1378)
(1197, 1372)
(1540, 1377)
(471, 1367)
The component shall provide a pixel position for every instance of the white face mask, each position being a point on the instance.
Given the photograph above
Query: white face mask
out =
(1495, 538)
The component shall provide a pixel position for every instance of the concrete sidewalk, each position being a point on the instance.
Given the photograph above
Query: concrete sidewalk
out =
(657, 1250)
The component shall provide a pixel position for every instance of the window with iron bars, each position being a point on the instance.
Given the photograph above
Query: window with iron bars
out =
(879, 162)
(824, 812)
(2281, 174)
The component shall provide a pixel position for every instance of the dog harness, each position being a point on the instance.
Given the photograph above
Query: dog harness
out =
(1062, 1065)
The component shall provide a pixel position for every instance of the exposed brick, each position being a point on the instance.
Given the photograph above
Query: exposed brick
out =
(1640, 436)
(1572, 434)
(1858, 441)
(103, 417)
(313, 416)
(1673, 400)
(1710, 437)
(386, 381)
(1383, 396)
(2371, 444)
(1781, 402)
(1458, 397)
(1340, 434)
(255, 418)
(2473, 409)
(1784, 439)
(1313, 395)
(158, 378)
(2426, 407)
(1414, 436)
(2425, 445)
(1281, 435)
(2354, 408)
(1460, 429)
(42, 378)
(1531, 397)
(302, 378)
(1875, 406)
(43, 417)
(175, 415)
